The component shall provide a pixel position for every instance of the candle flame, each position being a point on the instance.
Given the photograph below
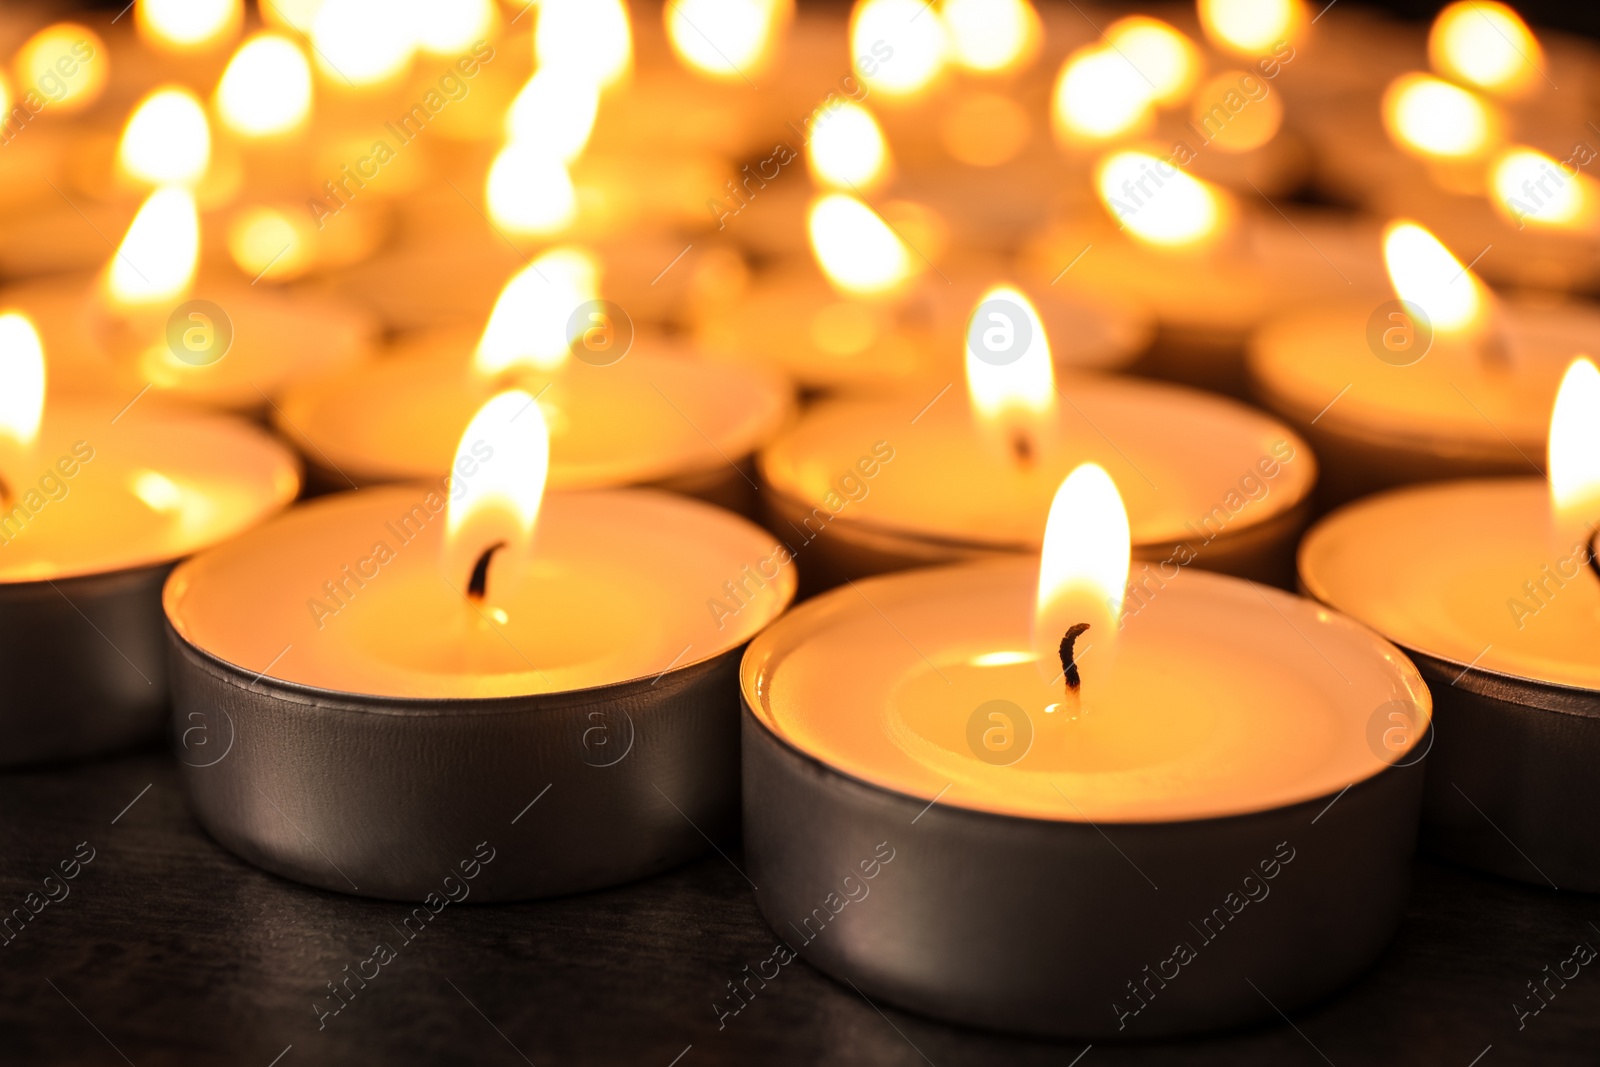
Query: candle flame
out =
(272, 244)
(589, 38)
(167, 140)
(449, 27)
(855, 248)
(1486, 44)
(45, 59)
(1100, 94)
(1159, 203)
(507, 447)
(361, 43)
(729, 40)
(848, 150)
(1167, 60)
(528, 329)
(1530, 186)
(554, 113)
(1574, 457)
(1013, 393)
(529, 191)
(991, 35)
(157, 258)
(187, 25)
(1250, 27)
(1423, 272)
(22, 382)
(1431, 118)
(1083, 572)
(898, 50)
(266, 88)
(296, 15)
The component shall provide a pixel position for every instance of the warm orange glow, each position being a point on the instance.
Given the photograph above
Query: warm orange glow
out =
(497, 508)
(1233, 121)
(898, 46)
(1423, 272)
(1011, 380)
(1098, 95)
(590, 38)
(22, 378)
(1083, 572)
(1168, 61)
(992, 35)
(1429, 117)
(529, 191)
(271, 244)
(729, 40)
(360, 43)
(529, 327)
(167, 140)
(1250, 27)
(847, 150)
(1488, 45)
(554, 113)
(297, 15)
(157, 258)
(187, 25)
(855, 248)
(266, 88)
(985, 129)
(450, 27)
(1574, 459)
(1158, 203)
(1531, 188)
(66, 64)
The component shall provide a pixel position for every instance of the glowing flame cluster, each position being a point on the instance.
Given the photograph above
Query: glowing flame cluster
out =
(1011, 392)
(1250, 27)
(498, 506)
(266, 88)
(1158, 203)
(1486, 45)
(857, 250)
(529, 327)
(68, 61)
(157, 257)
(167, 140)
(1112, 88)
(188, 25)
(1530, 187)
(1432, 118)
(22, 387)
(1083, 572)
(987, 36)
(847, 150)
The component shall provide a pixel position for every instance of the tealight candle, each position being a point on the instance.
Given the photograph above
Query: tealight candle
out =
(1446, 381)
(410, 653)
(97, 502)
(861, 486)
(1079, 802)
(147, 321)
(1485, 584)
(618, 417)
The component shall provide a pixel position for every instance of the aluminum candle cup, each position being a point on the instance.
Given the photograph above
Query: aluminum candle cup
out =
(101, 509)
(860, 487)
(1467, 578)
(1382, 409)
(1220, 828)
(348, 718)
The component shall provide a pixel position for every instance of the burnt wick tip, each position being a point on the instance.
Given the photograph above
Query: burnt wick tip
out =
(1594, 564)
(1069, 665)
(1022, 449)
(479, 582)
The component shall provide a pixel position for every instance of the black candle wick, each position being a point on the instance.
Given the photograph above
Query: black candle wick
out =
(1022, 448)
(1069, 664)
(1594, 565)
(5, 490)
(480, 572)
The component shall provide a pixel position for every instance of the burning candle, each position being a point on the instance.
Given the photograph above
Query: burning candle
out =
(874, 485)
(618, 417)
(1447, 381)
(1066, 774)
(1490, 585)
(150, 320)
(428, 619)
(96, 504)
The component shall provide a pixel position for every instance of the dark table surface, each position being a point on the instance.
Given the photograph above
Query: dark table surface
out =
(168, 950)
